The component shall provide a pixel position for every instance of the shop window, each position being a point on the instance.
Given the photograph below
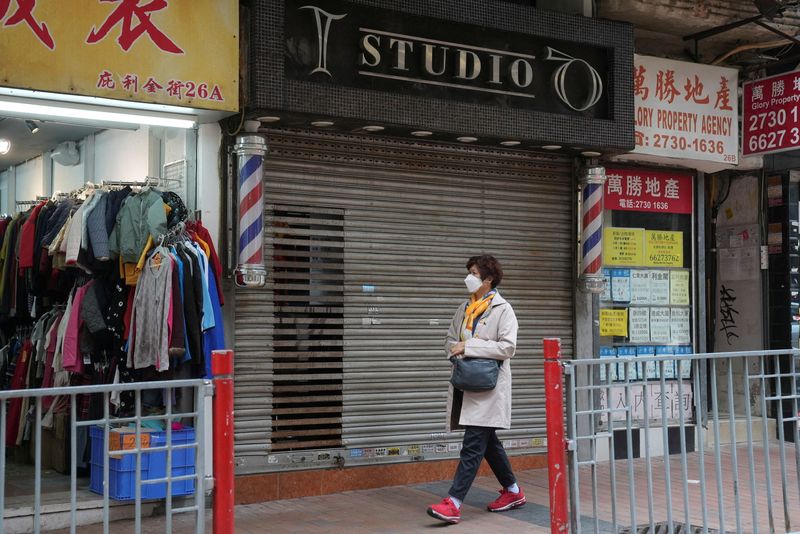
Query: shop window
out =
(646, 307)
(308, 271)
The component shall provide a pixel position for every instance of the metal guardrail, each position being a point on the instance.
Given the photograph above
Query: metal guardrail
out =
(748, 482)
(199, 389)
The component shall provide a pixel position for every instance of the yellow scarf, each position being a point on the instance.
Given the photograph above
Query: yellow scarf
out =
(476, 308)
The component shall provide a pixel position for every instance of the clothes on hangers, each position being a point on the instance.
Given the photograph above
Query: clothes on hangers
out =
(87, 321)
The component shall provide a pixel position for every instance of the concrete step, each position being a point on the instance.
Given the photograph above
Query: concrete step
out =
(55, 511)
(740, 428)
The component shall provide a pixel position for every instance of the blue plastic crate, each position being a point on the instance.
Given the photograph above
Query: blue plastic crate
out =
(122, 470)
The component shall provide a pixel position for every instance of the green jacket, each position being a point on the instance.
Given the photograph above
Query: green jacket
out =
(140, 216)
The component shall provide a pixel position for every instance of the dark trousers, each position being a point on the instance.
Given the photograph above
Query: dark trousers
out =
(479, 443)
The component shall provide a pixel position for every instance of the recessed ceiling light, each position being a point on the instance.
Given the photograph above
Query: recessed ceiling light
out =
(421, 133)
(373, 128)
(509, 143)
(551, 147)
(591, 154)
(467, 139)
(5, 146)
(322, 124)
(268, 118)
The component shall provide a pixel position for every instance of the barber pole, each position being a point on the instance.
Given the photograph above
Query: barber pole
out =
(250, 150)
(592, 183)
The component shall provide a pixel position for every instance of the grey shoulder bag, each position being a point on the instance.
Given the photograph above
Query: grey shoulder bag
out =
(475, 374)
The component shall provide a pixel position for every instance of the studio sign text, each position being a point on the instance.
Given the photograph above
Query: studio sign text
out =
(420, 60)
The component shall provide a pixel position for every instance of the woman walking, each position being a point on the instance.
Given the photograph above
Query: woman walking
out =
(483, 327)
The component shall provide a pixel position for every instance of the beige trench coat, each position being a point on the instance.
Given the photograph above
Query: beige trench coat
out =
(495, 337)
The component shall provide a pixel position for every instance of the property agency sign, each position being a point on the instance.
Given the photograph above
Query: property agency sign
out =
(771, 114)
(685, 110)
(336, 42)
(648, 190)
(160, 51)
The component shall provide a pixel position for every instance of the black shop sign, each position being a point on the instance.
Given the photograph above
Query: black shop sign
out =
(340, 43)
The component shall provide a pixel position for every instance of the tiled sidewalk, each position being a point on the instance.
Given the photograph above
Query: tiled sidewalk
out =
(402, 509)
(398, 509)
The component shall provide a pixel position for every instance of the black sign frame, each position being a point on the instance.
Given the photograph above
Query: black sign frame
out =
(284, 47)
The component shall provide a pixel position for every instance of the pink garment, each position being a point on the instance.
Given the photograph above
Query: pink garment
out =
(72, 359)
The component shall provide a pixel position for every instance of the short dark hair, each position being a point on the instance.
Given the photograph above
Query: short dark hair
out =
(488, 266)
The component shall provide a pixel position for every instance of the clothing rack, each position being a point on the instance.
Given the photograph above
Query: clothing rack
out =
(151, 181)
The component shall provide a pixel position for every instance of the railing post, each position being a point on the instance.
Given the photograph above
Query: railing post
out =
(556, 445)
(222, 372)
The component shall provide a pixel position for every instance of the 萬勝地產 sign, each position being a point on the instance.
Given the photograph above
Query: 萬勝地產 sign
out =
(646, 190)
(771, 114)
(686, 110)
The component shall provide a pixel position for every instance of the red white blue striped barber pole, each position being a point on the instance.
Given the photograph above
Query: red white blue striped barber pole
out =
(250, 150)
(592, 229)
(251, 206)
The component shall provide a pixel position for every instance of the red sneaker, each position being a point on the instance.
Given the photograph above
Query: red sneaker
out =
(507, 501)
(446, 511)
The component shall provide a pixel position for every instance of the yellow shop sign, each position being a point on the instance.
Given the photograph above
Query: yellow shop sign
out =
(176, 52)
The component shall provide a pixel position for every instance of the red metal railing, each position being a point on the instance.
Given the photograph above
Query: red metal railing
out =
(222, 371)
(556, 444)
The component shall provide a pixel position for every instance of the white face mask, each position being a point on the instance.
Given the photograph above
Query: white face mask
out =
(473, 283)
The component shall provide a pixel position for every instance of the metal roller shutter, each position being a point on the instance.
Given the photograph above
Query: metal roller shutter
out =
(366, 240)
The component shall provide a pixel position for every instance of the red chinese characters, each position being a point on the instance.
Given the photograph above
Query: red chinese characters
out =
(106, 81)
(665, 86)
(24, 13)
(723, 95)
(152, 86)
(694, 91)
(124, 15)
(130, 82)
(176, 89)
(655, 191)
(639, 88)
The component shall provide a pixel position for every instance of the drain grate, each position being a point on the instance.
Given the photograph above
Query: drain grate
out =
(663, 528)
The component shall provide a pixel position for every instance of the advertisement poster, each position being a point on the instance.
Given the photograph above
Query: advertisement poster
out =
(639, 329)
(669, 366)
(771, 114)
(664, 249)
(614, 323)
(659, 325)
(621, 285)
(640, 287)
(679, 288)
(623, 246)
(608, 371)
(680, 329)
(686, 110)
(605, 296)
(674, 400)
(659, 288)
(627, 352)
